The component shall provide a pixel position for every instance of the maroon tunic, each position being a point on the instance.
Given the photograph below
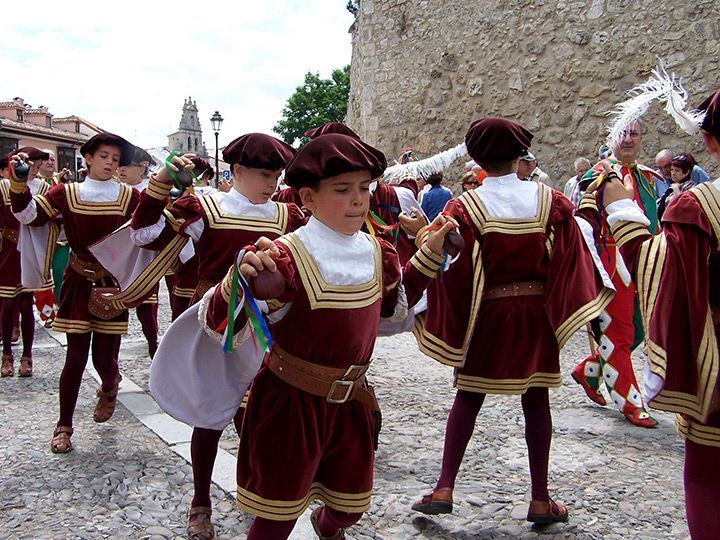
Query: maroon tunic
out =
(678, 278)
(296, 447)
(223, 235)
(85, 223)
(507, 345)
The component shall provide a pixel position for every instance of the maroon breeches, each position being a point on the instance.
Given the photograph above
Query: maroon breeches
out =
(702, 490)
(23, 303)
(203, 450)
(105, 363)
(538, 435)
(147, 315)
(179, 305)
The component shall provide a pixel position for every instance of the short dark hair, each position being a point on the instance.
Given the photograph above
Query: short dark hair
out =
(435, 178)
(496, 166)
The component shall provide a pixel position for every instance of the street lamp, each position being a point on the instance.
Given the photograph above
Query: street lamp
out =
(216, 121)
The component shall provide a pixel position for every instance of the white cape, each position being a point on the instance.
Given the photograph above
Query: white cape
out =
(194, 381)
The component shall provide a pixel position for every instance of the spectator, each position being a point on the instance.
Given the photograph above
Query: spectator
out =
(681, 167)
(469, 181)
(663, 160)
(604, 152)
(436, 197)
(529, 170)
(571, 190)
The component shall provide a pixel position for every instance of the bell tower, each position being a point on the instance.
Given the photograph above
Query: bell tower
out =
(188, 137)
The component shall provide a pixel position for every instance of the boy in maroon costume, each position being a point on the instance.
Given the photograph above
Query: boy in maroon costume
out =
(219, 226)
(523, 284)
(678, 281)
(310, 425)
(13, 296)
(90, 211)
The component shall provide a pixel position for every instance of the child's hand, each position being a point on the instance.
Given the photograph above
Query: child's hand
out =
(611, 186)
(253, 263)
(412, 224)
(440, 226)
(176, 163)
(15, 161)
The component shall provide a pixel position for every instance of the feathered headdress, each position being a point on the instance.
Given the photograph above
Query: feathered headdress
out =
(661, 86)
(425, 167)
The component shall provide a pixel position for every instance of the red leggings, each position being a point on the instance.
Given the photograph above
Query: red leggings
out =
(203, 450)
(702, 490)
(538, 435)
(179, 305)
(104, 361)
(8, 317)
(147, 315)
(329, 523)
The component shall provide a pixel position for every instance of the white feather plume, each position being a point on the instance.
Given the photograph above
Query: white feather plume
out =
(425, 167)
(661, 86)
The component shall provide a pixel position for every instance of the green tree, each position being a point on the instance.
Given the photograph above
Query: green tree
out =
(315, 102)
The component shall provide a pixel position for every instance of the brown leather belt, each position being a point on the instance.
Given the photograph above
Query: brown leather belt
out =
(90, 270)
(336, 385)
(10, 234)
(519, 288)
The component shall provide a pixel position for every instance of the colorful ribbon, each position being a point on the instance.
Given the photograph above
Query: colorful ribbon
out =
(174, 175)
(262, 339)
(376, 226)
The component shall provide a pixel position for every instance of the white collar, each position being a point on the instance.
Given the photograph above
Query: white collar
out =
(502, 180)
(235, 203)
(342, 259)
(92, 190)
(141, 185)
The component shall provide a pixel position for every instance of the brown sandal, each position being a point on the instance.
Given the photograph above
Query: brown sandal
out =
(7, 369)
(26, 365)
(199, 524)
(107, 399)
(314, 517)
(544, 513)
(60, 443)
(438, 502)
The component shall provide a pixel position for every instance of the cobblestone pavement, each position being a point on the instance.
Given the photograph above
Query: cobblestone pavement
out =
(123, 481)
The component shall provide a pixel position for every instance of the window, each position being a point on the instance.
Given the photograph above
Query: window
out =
(48, 122)
(189, 146)
(7, 145)
(20, 115)
(196, 144)
(77, 127)
(66, 159)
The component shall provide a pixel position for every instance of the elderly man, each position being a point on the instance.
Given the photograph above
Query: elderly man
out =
(529, 170)
(571, 190)
(618, 334)
(663, 160)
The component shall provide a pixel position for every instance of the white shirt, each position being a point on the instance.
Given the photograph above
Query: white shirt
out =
(508, 197)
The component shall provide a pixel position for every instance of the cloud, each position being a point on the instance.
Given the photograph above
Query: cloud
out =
(128, 68)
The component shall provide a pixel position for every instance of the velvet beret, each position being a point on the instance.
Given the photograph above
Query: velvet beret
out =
(711, 106)
(127, 150)
(32, 152)
(140, 155)
(497, 139)
(331, 155)
(201, 166)
(330, 127)
(258, 151)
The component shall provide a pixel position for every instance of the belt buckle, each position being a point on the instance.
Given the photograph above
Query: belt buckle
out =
(91, 274)
(355, 370)
(339, 383)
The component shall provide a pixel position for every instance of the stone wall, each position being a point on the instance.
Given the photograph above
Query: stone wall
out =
(422, 70)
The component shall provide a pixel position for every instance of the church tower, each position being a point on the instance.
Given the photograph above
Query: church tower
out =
(188, 137)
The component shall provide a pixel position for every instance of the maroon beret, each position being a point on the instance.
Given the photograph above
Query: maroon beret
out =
(711, 106)
(31, 151)
(127, 150)
(497, 139)
(258, 151)
(330, 127)
(332, 155)
(140, 155)
(201, 166)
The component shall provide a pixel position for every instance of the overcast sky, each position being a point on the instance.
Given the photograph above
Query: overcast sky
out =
(128, 66)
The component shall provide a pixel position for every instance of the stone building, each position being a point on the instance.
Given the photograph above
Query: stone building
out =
(188, 137)
(422, 70)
